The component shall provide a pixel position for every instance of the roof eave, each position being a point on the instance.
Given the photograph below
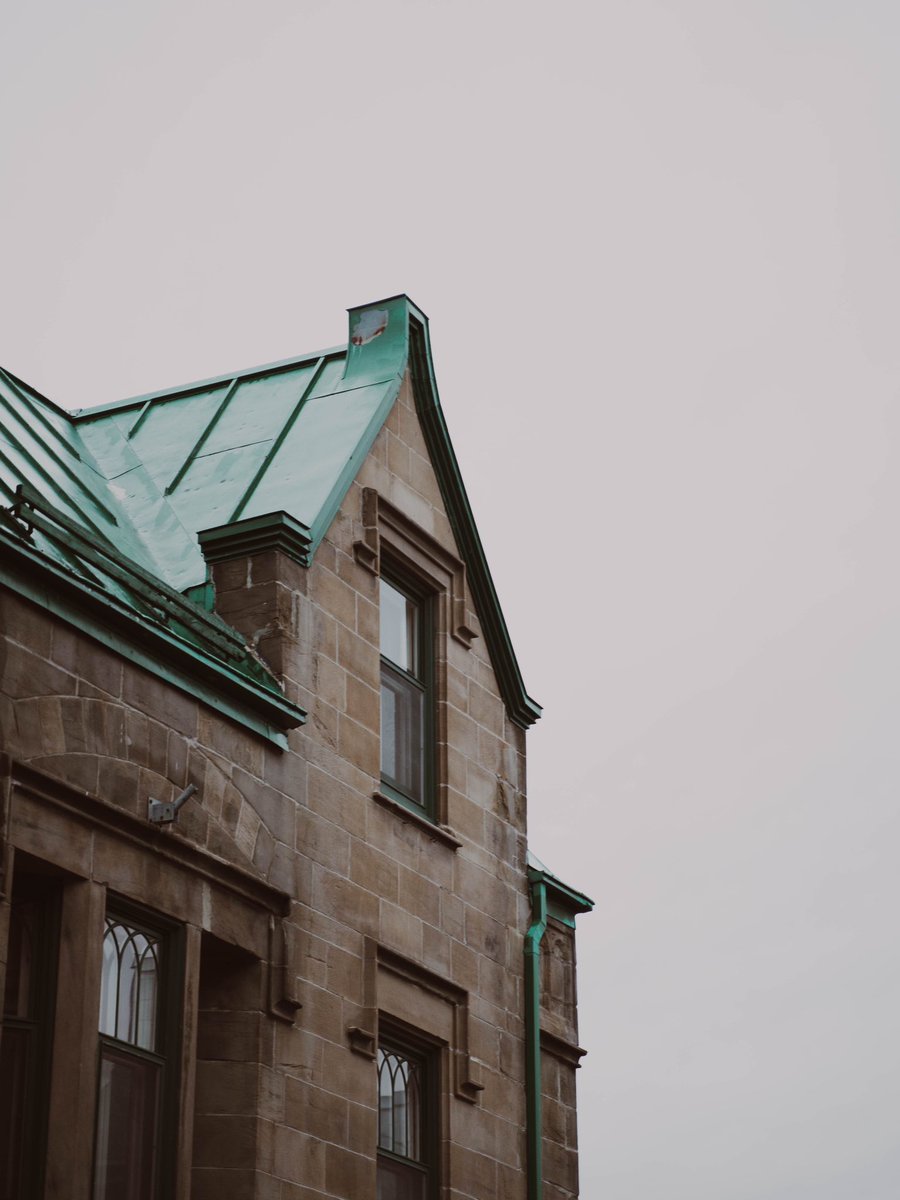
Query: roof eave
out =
(522, 709)
(29, 573)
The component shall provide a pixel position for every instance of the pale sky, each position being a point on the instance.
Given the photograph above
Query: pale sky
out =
(658, 244)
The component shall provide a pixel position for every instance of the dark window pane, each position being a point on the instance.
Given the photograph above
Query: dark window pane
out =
(18, 995)
(25, 1039)
(14, 1054)
(127, 1127)
(402, 732)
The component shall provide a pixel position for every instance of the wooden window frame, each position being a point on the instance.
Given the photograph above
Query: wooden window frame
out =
(168, 1054)
(422, 677)
(418, 563)
(427, 1054)
(39, 1024)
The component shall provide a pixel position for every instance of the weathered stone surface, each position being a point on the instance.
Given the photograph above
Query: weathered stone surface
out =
(288, 1110)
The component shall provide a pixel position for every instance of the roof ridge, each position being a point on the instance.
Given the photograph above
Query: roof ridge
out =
(82, 415)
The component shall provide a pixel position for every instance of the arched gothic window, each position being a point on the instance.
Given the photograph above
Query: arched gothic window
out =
(399, 1105)
(132, 1098)
(130, 985)
(406, 1147)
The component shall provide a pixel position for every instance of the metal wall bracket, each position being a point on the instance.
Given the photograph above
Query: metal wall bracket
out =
(160, 812)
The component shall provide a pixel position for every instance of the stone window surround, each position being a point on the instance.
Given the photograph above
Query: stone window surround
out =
(70, 831)
(426, 1055)
(164, 1052)
(413, 553)
(398, 990)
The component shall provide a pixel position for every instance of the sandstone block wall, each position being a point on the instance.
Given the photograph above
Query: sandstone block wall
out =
(364, 914)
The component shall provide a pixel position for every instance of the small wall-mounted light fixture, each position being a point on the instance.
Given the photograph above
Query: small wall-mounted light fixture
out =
(161, 813)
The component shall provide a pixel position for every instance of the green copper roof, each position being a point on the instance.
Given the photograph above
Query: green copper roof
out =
(278, 444)
(286, 437)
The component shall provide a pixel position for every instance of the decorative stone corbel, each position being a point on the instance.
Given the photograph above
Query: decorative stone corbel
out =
(378, 963)
(283, 1001)
(386, 527)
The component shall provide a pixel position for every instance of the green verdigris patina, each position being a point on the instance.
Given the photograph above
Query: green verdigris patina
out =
(123, 506)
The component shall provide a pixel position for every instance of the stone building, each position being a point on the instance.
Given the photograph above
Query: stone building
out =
(268, 923)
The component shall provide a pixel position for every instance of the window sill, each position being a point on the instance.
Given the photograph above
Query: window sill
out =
(440, 833)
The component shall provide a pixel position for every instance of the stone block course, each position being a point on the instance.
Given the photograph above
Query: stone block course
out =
(170, 707)
(375, 871)
(28, 674)
(323, 1114)
(419, 896)
(337, 802)
(297, 1155)
(27, 625)
(223, 1183)
(363, 704)
(401, 930)
(88, 660)
(285, 1104)
(323, 1013)
(346, 1173)
(338, 897)
(323, 841)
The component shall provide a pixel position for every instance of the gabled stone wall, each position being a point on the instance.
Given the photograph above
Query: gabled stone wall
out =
(316, 910)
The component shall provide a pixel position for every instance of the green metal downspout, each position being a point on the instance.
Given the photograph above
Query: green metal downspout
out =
(534, 1110)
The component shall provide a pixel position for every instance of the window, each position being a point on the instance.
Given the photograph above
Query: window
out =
(407, 705)
(406, 1126)
(135, 1109)
(28, 1009)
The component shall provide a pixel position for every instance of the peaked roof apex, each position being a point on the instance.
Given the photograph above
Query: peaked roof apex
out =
(153, 471)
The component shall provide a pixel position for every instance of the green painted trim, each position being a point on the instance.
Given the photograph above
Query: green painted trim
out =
(203, 595)
(147, 644)
(398, 797)
(31, 509)
(381, 359)
(521, 708)
(534, 1128)
(272, 531)
(81, 415)
(550, 897)
(138, 421)
(36, 395)
(564, 902)
(329, 509)
(35, 404)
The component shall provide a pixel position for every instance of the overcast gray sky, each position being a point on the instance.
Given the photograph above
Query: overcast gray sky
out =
(659, 247)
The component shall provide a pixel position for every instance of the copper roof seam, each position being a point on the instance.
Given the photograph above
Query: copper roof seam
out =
(35, 408)
(279, 439)
(194, 452)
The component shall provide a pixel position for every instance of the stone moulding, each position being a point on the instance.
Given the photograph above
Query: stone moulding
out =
(179, 855)
(438, 833)
(560, 1048)
(382, 966)
(273, 531)
(283, 1001)
(443, 571)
